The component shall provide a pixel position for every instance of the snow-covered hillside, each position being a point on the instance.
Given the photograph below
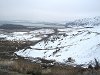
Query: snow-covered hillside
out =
(85, 22)
(81, 44)
(27, 36)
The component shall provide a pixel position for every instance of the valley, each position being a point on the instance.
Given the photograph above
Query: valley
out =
(42, 50)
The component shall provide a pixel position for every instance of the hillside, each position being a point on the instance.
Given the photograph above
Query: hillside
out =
(12, 26)
(85, 22)
(81, 44)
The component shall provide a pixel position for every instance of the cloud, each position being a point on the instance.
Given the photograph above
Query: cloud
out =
(48, 9)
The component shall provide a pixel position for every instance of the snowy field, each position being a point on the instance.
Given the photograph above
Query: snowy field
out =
(82, 44)
(27, 36)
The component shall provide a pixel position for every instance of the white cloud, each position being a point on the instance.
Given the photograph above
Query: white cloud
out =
(48, 9)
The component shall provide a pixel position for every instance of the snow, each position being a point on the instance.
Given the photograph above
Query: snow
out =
(3, 36)
(29, 36)
(82, 44)
(43, 31)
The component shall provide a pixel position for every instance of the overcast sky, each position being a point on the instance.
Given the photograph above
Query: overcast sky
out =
(48, 10)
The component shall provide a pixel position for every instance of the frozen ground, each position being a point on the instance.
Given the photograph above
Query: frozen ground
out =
(81, 44)
(27, 36)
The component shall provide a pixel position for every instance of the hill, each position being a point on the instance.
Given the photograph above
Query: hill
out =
(12, 26)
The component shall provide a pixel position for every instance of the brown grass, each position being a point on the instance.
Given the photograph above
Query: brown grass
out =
(26, 67)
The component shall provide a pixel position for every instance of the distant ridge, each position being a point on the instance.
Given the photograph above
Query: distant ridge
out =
(12, 26)
(86, 22)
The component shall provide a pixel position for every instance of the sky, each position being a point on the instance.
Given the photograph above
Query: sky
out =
(48, 10)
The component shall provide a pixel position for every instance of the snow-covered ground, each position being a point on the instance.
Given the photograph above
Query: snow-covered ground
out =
(27, 36)
(81, 44)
